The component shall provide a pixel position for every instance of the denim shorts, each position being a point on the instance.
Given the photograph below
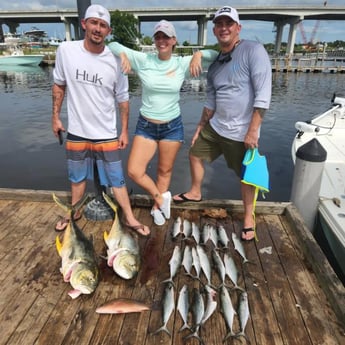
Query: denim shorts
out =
(170, 131)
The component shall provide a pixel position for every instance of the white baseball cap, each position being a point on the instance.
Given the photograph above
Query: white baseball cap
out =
(228, 12)
(165, 27)
(98, 11)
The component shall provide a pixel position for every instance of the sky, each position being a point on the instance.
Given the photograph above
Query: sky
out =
(328, 31)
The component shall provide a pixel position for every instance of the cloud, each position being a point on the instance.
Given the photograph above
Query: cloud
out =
(65, 4)
(188, 30)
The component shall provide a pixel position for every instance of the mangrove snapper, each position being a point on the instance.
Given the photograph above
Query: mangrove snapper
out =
(122, 306)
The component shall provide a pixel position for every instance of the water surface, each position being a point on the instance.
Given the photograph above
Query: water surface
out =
(32, 158)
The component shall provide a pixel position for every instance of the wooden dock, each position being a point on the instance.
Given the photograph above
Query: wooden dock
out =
(307, 65)
(294, 295)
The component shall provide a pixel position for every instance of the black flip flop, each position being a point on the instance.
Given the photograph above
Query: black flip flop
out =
(244, 231)
(64, 222)
(185, 199)
(136, 229)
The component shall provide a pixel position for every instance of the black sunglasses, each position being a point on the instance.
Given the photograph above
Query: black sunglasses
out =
(224, 58)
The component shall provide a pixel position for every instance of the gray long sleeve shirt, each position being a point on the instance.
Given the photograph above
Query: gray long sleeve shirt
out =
(234, 88)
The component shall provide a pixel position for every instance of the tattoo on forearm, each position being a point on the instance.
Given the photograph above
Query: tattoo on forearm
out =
(58, 97)
(205, 118)
(261, 111)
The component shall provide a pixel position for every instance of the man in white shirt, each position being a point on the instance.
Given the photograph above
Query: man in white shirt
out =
(90, 75)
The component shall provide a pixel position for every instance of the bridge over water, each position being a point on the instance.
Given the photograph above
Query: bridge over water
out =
(279, 15)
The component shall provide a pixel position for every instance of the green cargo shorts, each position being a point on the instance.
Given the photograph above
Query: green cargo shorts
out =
(210, 145)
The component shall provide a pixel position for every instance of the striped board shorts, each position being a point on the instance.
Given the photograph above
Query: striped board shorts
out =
(84, 155)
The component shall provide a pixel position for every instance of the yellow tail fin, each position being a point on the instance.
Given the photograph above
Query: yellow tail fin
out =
(110, 202)
(58, 244)
(105, 235)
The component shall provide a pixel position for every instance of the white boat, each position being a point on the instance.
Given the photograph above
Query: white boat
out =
(35, 32)
(10, 38)
(329, 129)
(18, 58)
(53, 41)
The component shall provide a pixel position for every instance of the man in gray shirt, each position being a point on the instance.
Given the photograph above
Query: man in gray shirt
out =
(239, 84)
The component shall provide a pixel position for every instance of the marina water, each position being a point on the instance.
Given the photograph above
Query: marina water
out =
(32, 157)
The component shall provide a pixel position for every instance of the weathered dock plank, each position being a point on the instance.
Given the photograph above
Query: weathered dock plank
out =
(258, 289)
(307, 299)
(288, 302)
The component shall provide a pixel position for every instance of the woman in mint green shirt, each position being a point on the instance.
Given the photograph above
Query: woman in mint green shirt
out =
(160, 124)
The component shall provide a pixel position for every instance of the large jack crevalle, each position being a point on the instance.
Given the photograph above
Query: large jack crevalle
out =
(123, 253)
(79, 265)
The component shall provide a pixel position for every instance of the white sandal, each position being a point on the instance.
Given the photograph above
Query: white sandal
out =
(158, 217)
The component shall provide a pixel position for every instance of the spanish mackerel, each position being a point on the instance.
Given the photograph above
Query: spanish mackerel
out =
(198, 310)
(187, 261)
(196, 233)
(205, 263)
(177, 227)
(196, 263)
(218, 263)
(239, 247)
(231, 270)
(183, 306)
(187, 228)
(223, 236)
(228, 311)
(168, 306)
(243, 313)
(174, 264)
(211, 304)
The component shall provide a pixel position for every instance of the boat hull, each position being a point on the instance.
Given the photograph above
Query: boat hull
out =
(21, 60)
(329, 129)
(334, 245)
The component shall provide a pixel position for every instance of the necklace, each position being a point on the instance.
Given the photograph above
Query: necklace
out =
(227, 57)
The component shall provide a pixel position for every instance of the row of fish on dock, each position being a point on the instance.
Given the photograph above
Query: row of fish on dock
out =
(197, 257)
(79, 264)
(79, 267)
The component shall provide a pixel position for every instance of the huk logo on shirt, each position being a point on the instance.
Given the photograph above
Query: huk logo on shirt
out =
(85, 77)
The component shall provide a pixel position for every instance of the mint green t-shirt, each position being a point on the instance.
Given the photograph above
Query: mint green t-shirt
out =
(161, 80)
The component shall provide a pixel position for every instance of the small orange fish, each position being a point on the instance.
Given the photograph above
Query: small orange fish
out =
(122, 306)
